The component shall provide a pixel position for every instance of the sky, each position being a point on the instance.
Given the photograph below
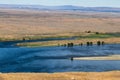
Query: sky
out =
(86, 3)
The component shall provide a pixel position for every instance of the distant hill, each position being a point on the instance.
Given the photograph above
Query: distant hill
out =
(64, 7)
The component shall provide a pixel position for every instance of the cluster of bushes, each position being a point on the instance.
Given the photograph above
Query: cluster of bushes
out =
(81, 44)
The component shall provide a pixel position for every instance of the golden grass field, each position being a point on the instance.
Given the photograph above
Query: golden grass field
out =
(16, 24)
(113, 75)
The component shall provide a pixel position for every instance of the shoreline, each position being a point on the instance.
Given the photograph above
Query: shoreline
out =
(64, 42)
(110, 57)
(109, 75)
(64, 39)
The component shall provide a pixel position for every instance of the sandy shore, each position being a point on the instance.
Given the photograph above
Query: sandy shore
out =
(111, 57)
(113, 75)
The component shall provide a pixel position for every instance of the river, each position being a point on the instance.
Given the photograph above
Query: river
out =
(56, 59)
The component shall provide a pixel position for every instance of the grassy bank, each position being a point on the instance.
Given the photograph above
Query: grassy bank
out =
(42, 36)
(71, 37)
(63, 42)
(78, 39)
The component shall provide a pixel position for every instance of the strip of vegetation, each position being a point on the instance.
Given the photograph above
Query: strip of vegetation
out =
(36, 44)
(76, 38)
(79, 42)
(100, 35)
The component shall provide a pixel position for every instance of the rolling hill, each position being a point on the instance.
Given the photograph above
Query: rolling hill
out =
(63, 7)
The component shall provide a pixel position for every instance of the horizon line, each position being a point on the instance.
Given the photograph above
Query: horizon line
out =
(59, 5)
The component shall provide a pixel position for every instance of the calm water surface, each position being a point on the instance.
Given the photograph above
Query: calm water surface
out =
(56, 59)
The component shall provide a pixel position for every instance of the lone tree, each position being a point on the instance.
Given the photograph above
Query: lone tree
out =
(70, 44)
(88, 43)
(96, 32)
(23, 39)
(91, 43)
(81, 44)
(64, 45)
(98, 43)
(103, 43)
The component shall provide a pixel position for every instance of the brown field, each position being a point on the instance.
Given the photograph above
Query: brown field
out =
(15, 24)
(113, 75)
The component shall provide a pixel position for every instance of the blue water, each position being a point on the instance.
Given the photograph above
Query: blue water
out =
(10, 44)
(57, 59)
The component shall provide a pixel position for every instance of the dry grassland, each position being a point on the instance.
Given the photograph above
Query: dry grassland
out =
(15, 24)
(113, 75)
